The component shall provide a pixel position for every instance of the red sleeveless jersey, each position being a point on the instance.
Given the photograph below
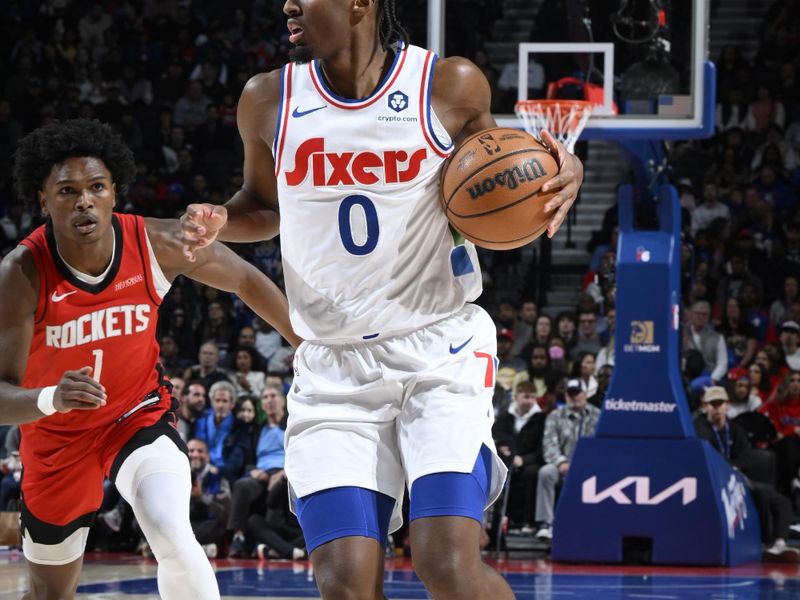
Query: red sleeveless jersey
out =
(109, 326)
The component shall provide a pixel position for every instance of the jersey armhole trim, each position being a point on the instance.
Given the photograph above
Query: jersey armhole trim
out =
(152, 270)
(283, 116)
(425, 110)
(160, 281)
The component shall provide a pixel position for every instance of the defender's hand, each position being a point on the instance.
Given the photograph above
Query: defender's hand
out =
(77, 390)
(200, 225)
(567, 182)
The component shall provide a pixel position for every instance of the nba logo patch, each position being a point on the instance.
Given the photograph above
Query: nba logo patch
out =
(398, 101)
(642, 254)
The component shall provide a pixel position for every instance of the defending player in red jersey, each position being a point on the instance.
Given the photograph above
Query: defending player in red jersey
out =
(78, 317)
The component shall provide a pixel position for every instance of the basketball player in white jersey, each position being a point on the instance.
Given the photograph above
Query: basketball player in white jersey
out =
(393, 386)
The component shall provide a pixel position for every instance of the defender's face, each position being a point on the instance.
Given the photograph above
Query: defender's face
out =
(317, 28)
(79, 195)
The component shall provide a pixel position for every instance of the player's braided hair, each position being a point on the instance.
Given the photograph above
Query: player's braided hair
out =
(58, 141)
(391, 30)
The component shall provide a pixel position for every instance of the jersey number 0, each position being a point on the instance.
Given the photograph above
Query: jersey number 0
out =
(346, 231)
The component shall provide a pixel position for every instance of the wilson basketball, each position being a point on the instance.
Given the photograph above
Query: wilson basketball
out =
(490, 188)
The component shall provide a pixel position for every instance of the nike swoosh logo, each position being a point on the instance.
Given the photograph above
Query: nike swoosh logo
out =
(302, 113)
(58, 298)
(457, 349)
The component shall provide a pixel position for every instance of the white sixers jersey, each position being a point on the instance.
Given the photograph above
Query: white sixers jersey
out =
(367, 250)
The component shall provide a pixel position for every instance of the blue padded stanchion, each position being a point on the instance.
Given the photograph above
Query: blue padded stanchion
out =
(645, 479)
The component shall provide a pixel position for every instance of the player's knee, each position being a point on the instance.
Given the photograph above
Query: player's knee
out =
(41, 590)
(166, 533)
(343, 586)
(444, 570)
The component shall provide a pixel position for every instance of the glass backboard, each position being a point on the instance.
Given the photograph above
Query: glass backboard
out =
(645, 62)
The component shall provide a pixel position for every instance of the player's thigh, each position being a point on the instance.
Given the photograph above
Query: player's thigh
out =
(59, 505)
(163, 456)
(348, 511)
(341, 427)
(446, 421)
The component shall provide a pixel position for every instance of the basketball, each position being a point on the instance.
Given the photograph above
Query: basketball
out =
(490, 188)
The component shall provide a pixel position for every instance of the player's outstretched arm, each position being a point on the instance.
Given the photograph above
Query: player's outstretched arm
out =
(251, 215)
(220, 267)
(19, 281)
(461, 97)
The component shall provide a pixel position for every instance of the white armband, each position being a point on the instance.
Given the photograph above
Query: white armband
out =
(45, 401)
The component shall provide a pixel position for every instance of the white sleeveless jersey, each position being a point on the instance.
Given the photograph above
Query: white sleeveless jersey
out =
(367, 250)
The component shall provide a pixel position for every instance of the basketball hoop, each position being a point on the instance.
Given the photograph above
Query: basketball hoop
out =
(565, 119)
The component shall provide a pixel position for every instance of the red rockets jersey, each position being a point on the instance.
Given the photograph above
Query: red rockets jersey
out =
(109, 326)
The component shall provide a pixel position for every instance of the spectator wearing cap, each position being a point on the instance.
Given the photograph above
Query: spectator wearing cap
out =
(701, 338)
(730, 440)
(508, 365)
(783, 409)
(790, 336)
(562, 429)
(741, 398)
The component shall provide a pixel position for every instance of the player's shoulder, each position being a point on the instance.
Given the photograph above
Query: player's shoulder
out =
(456, 70)
(164, 237)
(263, 87)
(19, 275)
(457, 76)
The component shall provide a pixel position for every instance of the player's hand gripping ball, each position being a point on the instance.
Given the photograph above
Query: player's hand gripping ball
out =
(491, 188)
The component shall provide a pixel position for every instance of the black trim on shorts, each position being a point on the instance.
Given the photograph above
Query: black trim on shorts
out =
(46, 533)
(145, 436)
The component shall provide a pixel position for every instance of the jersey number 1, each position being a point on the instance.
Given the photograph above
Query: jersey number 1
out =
(98, 364)
(346, 231)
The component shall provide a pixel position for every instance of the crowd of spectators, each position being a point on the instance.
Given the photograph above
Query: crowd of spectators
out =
(740, 266)
(167, 75)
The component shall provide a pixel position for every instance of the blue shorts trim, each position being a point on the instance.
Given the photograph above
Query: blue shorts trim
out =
(344, 511)
(453, 494)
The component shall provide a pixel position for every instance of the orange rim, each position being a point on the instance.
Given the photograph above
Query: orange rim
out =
(546, 106)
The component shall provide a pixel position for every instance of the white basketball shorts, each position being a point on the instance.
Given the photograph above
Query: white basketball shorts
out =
(379, 414)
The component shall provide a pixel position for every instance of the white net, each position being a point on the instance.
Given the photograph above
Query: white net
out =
(565, 119)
